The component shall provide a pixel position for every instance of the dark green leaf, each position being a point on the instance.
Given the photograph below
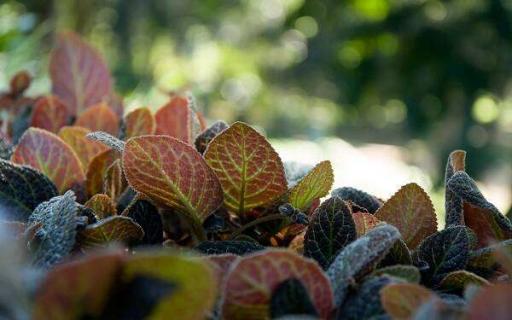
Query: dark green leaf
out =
(361, 198)
(22, 189)
(453, 203)
(291, 297)
(399, 254)
(207, 135)
(6, 149)
(483, 261)
(228, 246)
(331, 230)
(147, 216)
(406, 272)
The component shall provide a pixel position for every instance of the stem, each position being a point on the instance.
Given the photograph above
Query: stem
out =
(271, 217)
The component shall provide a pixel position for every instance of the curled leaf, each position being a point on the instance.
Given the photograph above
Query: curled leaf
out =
(99, 117)
(50, 113)
(139, 122)
(84, 148)
(314, 185)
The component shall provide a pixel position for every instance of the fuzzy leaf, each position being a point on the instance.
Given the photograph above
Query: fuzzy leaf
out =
(22, 189)
(110, 229)
(47, 153)
(406, 272)
(78, 73)
(445, 251)
(221, 264)
(84, 148)
(252, 280)
(249, 170)
(361, 198)
(97, 169)
(484, 261)
(331, 230)
(172, 173)
(107, 139)
(458, 280)
(364, 222)
(359, 258)
(399, 254)
(77, 289)
(207, 135)
(99, 117)
(453, 203)
(439, 309)
(291, 297)
(50, 113)
(480, 215)
(114, 182)
(147, 216)
(402, 300)
(492, 302)
(412, 212)
(177, 119)
(229, 246)
(56, 236)
(139, 122)
(102, 205)
(316, 184)
(295, 171)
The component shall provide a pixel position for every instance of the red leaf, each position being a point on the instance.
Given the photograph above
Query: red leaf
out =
(364, 222)
(78, 73)
(97, 169)
(252, 280)
(84, 148)
(47, 153)
(178, 120)
(221, 263)
(50, 114)
(250, 171)
(99, 118)
(139, 122)
(492, 303)
(102, 205)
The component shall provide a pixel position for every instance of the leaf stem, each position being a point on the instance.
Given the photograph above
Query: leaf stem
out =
(264, 219)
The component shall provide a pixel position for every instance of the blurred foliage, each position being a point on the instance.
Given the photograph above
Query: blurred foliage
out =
(385, 71)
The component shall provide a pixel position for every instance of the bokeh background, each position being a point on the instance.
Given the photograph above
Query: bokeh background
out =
(385, 89)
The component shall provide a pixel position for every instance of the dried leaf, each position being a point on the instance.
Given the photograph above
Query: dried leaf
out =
(249, 170)
(229, 246)
(316, 184)
(108, 230)
(412, 212)
(291, 297)
(402, 300)
(50, 113)
(364, 222)
(253, 278)
(139, 122)
(331, 230)
(361, 198)
(22, 189)
(458, 280)
(84, 148)
(107, 139)
(207, 135)
(99, 117)
(453, 203)
(492, 302)
(97, 169)
(78, 73)
(177, 119)
(102, 205)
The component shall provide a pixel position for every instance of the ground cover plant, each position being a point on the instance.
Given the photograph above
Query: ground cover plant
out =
(108, 215)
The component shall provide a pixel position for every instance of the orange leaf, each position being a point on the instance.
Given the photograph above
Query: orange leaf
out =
(50, 114)
(412, 212)
(316, 184)
(250, 171)
(99, 118)
(402, 300)
(251, 281)
(178, 120)
(85, 149)
(49, 154)
(78, 73)
(364, 222)
(139, 122)
(102, 205)
(114, 181)
(172, 173)
(97, 169)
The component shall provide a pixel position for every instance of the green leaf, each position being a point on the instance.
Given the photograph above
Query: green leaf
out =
(361, 198)
(56, 236)
(445, 251)
(402, 300)
(399, 254)
(314, 185)
(291, 297)
(108, 230)
(331, 229)
(21, 190)
(458, 280)
(406, 272)
(359, 258)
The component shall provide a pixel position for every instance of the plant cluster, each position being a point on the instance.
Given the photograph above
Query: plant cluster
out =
(161, 216)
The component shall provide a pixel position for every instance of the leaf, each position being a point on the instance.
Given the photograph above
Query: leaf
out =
(84, 148)
(229, 246)
(402, 300)
(492, 302)
(19, 83)
(316, 184)
(79, 75)
(331, 230)
(177, 119)
(484, 260)
(458, 280)
(248, 168)
(453, 203)
(207, 135)
(439, 309)
(114, 182)
(56, 236)
(406, 272)
(46, 152)
(195, 284)
(295, 171)
(99, 117)
(412, 212)
(253, 278)
(102, 205)
(77, 289)
(480, 215)
(22, 189)
(361, 198)
(445, 251)
(221, 264)
(399, 254)
(107, 139)
(97, 169)
(291, 297)
(146, 215)
(111, 229)
(50, 113)
(139, 122)
(364, 222)
(359, 258)
(172, 173)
